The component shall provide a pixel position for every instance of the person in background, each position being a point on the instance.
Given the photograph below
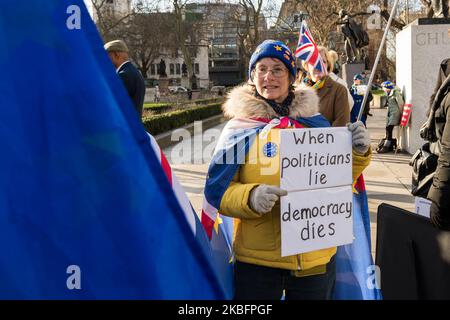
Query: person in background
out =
(333, 64)
(394, 104)
(439, 136)
(130, 75)
(157, 94)
(333, 96)
(357, 91)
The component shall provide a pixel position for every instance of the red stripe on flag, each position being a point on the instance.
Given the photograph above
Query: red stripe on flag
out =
(360, 185)
(208, 224)
(166, 167)
(297, 124)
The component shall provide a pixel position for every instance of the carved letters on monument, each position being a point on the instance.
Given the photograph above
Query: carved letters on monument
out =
(432, 38)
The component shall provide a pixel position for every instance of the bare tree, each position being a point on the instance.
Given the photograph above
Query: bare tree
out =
(148, 36)
(414, 6)
(187, 33)
(250, 23)
(108, 22)
(323, 14)
(428, 4)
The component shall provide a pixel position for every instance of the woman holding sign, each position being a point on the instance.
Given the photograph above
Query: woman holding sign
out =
(244, 178)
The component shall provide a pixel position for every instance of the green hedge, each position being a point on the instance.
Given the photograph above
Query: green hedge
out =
(163, 107)
(378, 92)
(157, 107)
(207, 101)
(168, 121)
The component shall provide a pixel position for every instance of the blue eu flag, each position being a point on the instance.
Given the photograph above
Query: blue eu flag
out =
(85, 209)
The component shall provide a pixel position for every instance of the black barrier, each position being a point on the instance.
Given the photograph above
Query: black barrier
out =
(409, 256)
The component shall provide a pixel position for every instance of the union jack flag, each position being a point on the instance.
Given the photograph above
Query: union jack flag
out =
(307, 49)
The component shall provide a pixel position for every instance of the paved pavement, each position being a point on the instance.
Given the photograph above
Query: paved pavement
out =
(388, 177)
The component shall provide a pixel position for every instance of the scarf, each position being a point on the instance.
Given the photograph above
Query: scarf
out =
(315, 85)
(281, 109)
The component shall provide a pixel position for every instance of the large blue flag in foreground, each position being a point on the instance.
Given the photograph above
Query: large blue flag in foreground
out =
(85, 209)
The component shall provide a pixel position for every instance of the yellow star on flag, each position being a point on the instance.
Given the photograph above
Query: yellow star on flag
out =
(217, 222)
(278, 48)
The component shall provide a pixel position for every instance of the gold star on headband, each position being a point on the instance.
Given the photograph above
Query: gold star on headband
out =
(278, 48)
(293, 64)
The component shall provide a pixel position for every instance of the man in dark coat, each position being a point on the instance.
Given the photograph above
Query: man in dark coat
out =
(130, 75)
(439, 192)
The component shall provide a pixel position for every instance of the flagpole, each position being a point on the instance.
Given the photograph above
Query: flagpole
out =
(374, 68)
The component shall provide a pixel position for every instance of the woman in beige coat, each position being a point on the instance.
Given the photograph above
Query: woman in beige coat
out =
(333, 96)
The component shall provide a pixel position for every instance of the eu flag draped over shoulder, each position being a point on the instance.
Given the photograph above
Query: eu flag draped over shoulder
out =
(85, 209)
(357, 277)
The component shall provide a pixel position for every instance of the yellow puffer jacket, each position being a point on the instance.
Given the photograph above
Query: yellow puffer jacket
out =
(257, 238)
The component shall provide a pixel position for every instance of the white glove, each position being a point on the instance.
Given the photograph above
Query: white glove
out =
(263, 198)
(360, 137)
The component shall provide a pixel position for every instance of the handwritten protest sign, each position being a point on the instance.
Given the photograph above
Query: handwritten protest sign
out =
(315, 158)
(316, 169)
(317, 219)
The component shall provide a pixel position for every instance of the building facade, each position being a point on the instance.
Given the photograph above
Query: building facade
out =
(176, 70)
(220, 26)
(116, 8)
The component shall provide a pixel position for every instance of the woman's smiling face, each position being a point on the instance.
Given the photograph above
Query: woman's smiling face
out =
(271, 78)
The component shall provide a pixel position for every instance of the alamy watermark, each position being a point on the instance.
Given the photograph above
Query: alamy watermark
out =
(373, 280)
(73, 281)
(73, 22)
(243, 147)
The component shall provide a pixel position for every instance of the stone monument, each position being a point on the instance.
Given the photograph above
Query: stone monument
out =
(420, 48)
(349, 70)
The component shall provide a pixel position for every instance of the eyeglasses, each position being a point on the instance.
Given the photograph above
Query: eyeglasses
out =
(277, 72)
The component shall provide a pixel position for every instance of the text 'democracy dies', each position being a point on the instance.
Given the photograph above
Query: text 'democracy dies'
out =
(316, 170)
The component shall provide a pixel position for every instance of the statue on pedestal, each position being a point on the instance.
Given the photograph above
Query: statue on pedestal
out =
(162, 69)
(440, 8)
(163, 81)
(437, 8)
(355, 36)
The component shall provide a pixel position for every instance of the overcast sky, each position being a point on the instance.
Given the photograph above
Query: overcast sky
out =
(166, 5)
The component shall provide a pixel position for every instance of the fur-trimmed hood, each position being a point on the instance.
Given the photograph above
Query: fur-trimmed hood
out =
(242, 103)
